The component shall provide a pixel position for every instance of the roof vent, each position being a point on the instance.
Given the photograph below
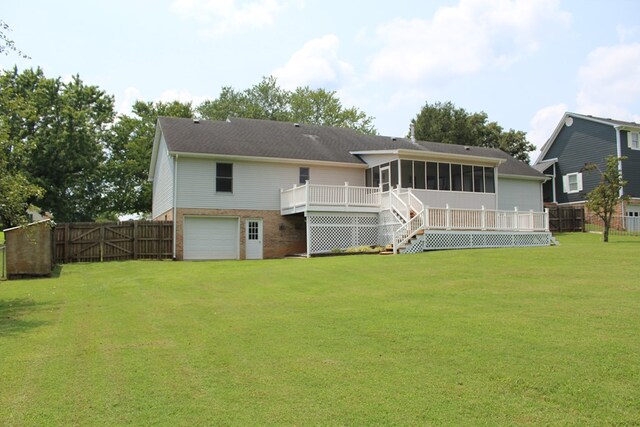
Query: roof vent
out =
(196, 121)
(393, 138)
(296, 125)
(466, 147)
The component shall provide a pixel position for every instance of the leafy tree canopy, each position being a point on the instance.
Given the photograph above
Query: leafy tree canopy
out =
(6, 44)
(129, 144)
(444, 122)
(604, 199)
(53, 136)
(266, 100)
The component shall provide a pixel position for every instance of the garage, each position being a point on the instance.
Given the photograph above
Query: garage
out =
(210, 238)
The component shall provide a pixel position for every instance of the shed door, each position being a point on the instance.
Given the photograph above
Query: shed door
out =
(210, 238)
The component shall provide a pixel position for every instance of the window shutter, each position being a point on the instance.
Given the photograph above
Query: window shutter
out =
(629, 139)
(565, 183)
(580, 181)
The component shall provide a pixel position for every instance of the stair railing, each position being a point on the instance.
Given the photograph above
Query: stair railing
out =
(407, 231)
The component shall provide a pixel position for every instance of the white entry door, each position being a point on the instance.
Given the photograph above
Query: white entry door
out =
(253, 235)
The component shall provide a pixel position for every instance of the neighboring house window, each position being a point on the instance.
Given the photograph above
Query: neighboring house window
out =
(224, 177)
(304, 175)
(634, 140)
(572, 182)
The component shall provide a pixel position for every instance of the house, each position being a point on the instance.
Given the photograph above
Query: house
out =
(247, 189)
(580, 139)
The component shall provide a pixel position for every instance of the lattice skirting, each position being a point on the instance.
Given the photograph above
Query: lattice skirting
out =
(330, 231)
(433, 240)
(387, 224)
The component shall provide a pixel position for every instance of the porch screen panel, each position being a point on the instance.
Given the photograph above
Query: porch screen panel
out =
(456, 177)
(418, 175)
(444, 176)
(478, 179)
(489, 183)
(406, 173)
(467, 178)
(432, 176)
(394, 174)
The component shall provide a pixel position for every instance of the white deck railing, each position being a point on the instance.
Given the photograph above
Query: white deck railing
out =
(300, 197)
(484, 219)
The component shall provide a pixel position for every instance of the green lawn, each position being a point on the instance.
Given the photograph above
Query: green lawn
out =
(538, 336)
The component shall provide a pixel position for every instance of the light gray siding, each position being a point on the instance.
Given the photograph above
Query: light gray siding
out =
(456, 199)
(523, 194)
(256, 185)
(162, 181)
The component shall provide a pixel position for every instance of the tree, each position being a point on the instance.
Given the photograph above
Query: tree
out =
(6, 44)
(267, 101)
(54, 137)
(604, 199)
(129, 145)
(443, 122)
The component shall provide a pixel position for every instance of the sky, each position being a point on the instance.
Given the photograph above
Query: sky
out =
(523, 62)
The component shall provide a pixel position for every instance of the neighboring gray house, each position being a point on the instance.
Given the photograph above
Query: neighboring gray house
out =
(245, 189)
(579, 139)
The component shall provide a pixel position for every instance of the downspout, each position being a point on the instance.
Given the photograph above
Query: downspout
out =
(553, 185)
(175, 203)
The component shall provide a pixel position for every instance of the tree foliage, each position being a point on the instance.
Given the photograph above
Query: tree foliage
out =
(129, 145)
(53, 134)
(444, 122)
(604, 199)
(6, 44)
(267, 101)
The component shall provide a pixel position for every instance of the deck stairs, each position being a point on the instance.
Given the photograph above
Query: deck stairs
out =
(408, 210)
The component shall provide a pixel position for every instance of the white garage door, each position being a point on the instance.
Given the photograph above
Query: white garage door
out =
(210, 238)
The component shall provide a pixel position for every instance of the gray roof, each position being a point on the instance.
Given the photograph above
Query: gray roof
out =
(612, 122)
(543, 165)
(264, 138)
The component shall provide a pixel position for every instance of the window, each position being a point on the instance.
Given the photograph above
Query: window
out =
(304, 175)
(634, 140)
(572, 183)
(224, 177)
(394, 174)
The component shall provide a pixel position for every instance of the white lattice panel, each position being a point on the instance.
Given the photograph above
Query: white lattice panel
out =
(475, 239)
(387, 224)
(414, 247)
(327, 232)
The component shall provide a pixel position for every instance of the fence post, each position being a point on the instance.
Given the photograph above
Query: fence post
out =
(546, 219)
(65, 255)
(531, 225)
(516, 222)
(306, 195)
(426, 217)
(448, 218)
(346, 194)
(101, 243)
(483, 223)
(135, 239)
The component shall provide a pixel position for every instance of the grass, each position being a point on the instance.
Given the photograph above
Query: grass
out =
(501, 337)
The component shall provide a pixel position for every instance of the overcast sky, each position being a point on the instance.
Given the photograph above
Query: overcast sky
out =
(523, 62)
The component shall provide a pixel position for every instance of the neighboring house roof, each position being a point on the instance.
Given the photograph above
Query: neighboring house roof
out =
(620, 124)
(284, 140)
(543, 165)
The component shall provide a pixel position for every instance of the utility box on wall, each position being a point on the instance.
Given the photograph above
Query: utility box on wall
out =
(29, 250)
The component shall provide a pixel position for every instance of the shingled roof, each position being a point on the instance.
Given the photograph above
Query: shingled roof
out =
(272, 139)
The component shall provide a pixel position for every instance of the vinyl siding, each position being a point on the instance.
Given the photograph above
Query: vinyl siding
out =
(520, 193)
(630, 167)
(256, 185)
(162, 181)
(583, 142)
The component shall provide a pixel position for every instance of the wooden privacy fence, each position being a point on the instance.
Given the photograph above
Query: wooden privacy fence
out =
(564, 218)
(116, 241)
